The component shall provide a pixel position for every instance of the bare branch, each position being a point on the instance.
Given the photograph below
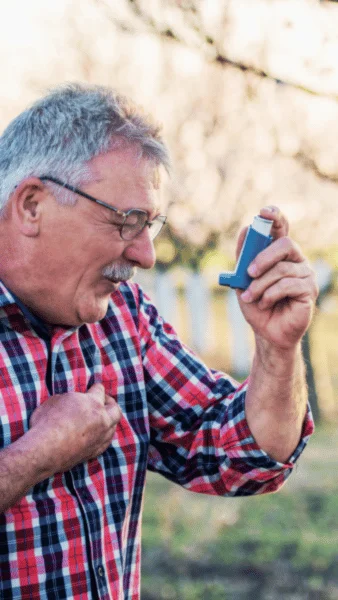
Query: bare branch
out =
(204, 42)
(310, 165)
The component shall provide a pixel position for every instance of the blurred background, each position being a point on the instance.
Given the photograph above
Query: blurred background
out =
(247, 91)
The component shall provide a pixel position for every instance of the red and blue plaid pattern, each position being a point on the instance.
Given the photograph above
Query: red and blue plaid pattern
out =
(179, 419)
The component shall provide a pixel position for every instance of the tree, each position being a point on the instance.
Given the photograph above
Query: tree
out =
(261, 127)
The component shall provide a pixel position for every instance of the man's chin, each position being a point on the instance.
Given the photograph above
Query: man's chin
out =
(95, 312)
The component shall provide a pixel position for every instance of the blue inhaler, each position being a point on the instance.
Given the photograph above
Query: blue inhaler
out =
(257, 239)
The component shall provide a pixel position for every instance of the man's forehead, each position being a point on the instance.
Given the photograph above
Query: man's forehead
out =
(126, 180)
(126, 162)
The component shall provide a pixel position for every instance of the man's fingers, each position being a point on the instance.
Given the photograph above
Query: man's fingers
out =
(283, 269)
(283, 249)
(288, 287)
(109, 400)
(280, 227)
(98, 392)
(113, 411)
(105, 443)
(112, 408)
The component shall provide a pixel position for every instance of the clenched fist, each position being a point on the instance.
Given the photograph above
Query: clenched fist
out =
(74, 428)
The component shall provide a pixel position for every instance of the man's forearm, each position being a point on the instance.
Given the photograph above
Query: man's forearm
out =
(19, 470)
(276, 399)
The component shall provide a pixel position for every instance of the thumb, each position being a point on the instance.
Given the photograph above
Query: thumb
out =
(97, 390)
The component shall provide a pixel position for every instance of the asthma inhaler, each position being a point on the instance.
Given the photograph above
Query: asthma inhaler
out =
(257, 239)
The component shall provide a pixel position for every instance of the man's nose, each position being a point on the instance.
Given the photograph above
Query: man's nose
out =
(141, 250)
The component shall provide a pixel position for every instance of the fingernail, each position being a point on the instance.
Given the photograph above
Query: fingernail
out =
(252, 270)
(269, 208)
(246, 296)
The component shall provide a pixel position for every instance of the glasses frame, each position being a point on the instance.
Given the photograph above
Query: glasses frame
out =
(160, 219)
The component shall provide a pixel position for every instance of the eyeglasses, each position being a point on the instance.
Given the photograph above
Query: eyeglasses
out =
(133, 221)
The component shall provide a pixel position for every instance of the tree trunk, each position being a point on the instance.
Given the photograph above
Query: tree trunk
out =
(310, 377)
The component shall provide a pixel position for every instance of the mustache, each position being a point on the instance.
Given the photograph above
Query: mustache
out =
(117, 272)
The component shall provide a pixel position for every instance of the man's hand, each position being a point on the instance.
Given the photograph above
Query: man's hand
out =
(64, 431)
(279, 303)
(74, 427)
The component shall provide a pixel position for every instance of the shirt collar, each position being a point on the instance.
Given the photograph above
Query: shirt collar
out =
(7, 298)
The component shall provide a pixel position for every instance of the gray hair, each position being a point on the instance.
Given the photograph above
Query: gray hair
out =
(60, 133)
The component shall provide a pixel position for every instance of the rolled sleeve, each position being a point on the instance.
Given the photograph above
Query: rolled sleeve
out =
(259, 472)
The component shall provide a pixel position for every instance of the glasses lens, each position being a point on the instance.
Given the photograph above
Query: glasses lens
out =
(137, 220)
(156, 225)
(134, 224)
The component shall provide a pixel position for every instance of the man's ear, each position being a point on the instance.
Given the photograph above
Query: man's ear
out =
(27, 202)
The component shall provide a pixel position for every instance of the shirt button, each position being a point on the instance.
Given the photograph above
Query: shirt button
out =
(100, 571)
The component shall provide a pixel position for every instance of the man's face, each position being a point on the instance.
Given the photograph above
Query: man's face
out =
(83, 255)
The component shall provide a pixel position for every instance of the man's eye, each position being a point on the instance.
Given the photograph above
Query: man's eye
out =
(130, 226)
(136, 219)
(132, 221)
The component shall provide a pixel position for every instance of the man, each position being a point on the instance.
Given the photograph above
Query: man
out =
(95, 387)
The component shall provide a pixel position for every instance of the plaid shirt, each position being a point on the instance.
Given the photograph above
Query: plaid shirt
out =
(179, 418)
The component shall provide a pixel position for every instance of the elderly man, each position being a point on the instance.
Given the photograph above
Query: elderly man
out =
(95, 387)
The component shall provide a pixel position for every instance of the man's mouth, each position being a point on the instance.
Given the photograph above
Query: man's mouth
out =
(117, 273)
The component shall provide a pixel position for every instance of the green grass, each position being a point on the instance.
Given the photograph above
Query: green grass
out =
(300, 526)
(189, 540)
(167, 588)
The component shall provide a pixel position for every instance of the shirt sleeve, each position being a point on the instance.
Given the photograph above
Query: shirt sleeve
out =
(199, 435)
